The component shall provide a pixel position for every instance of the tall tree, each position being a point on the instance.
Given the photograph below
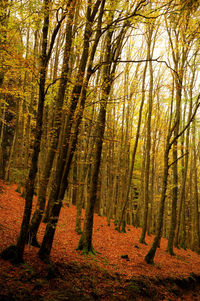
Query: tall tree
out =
(85, 242)
(148, 133)
(44, 178)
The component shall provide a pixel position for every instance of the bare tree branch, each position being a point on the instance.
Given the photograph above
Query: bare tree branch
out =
(178, 159)
(189, 122)
(135, 61)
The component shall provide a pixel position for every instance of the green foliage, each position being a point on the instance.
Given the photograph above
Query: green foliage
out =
(18, 175)
(115, 222)
(28, 272)
(141, 287)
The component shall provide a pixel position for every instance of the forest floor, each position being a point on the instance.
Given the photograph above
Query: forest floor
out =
(106, 276)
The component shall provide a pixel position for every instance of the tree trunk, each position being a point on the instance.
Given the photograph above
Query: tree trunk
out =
(134, 149)
(85, 242)
(151, 254)
(181, 211)
(148, 142)
(196, 243)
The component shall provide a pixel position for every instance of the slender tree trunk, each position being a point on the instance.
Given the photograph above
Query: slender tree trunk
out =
(85, 242)
(148, 142)
(181, 211)
(30, 107)
(134, 149)
(156, 243)
(175, 169)
(196, 243)
(151, 254)
(84, 178)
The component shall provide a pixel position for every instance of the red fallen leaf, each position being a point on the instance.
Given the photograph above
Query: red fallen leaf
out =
(110, 243)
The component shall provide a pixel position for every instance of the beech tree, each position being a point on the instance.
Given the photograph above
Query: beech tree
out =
(85, 242)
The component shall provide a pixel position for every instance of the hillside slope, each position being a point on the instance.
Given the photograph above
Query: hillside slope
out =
(106, 276)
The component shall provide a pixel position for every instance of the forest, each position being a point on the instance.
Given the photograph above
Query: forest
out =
(99, 112)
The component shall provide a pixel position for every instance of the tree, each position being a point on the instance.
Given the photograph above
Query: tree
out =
(85, 242)
(148, 139)
(44, 178)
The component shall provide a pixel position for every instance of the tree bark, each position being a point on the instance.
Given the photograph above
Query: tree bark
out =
(148, 141)
(151, 254)
(85, 242)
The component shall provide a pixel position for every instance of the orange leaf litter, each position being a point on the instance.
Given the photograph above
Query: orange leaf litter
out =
(106, 240)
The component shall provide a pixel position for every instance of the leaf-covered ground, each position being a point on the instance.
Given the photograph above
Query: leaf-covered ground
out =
(106, 276)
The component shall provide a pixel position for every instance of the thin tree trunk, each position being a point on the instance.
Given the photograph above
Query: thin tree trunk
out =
(134, 149)
(85, 242)
(196, 243)
(185, 170)
(148, 142)
(151, 254)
